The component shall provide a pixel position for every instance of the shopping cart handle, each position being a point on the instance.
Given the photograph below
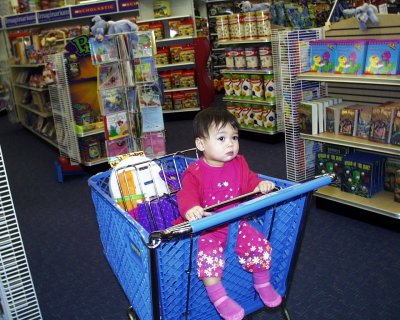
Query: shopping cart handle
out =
(261, 202)
(236, 199)
(240, 211)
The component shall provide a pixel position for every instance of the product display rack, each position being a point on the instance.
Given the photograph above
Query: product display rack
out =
(34, 114)
(180, 9)
(271, 103)
(69, 15)
(215, 9)
(366, 89)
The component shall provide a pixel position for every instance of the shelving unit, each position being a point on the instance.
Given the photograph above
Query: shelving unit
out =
(214, 10)
(34, 114)
(257, 102)
(180, 9)
(366, 89)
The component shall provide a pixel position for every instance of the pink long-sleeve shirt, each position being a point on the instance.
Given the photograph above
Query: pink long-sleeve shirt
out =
(204, 185)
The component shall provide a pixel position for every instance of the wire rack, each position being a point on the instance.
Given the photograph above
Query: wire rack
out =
(62, 110)
(291, 57)
(18, 296)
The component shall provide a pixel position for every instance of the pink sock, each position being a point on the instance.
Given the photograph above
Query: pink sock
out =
(228, 308)
(267, 293)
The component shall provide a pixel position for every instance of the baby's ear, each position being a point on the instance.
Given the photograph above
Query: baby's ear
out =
(199, 144)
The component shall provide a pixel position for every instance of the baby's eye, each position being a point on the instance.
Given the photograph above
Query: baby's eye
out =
(221, 138)
(235, 138)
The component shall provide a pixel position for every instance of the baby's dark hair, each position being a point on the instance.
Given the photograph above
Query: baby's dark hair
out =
(218, 116)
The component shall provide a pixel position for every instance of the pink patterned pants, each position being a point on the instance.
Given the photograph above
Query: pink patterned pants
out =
(253, 250)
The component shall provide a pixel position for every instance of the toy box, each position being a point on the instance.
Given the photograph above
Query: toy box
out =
(322, 56)
(382, 57)
(350, 56)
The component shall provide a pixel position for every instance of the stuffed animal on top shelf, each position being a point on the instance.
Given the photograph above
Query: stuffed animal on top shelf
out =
(246, 6)
(101, 27)
(366, 12)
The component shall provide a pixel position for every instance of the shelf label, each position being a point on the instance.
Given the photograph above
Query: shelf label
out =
(20, 20)
(53, 15)
(126, 5)
(93, 9)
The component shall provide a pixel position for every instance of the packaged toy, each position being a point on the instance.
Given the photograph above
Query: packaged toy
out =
(350, 56)
(382, 57)
(322, 56)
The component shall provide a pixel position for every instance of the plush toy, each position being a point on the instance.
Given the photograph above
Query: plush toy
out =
(366, 12)
(246, 6)
(101, 27)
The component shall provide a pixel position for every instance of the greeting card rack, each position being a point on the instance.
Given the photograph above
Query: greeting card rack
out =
(129, 94)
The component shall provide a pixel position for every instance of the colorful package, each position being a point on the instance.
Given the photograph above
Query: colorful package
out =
(382, 56)
(350, 56)
(322, 56)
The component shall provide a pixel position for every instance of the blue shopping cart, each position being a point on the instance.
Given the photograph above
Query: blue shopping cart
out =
(155, 263)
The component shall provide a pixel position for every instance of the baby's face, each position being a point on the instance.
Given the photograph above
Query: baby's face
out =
(221, 146)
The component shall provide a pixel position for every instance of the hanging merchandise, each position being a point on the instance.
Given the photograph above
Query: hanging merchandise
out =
(132, 110)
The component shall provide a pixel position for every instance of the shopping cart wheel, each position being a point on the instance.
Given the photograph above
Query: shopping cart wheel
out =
(132, 314)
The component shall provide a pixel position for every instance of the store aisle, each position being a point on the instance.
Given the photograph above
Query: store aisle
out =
(346, 269)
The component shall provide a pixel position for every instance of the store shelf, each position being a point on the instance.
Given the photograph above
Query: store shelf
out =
(258, 131)
(181, 110)
(247, 71)
(381, 203)
(30, 65)
(164, 18)
(33, 110)
(31, 88)
(95, 162)
(354, 142)
(48, 140)
(260, 102)
(180, 89)
(89, 133)
(240, 42)
(168, 40)
(174, 65)
(392, 80)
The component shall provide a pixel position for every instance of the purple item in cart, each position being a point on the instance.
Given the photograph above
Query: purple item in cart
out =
(157, 214)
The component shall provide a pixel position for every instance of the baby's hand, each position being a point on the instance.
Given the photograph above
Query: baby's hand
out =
(196, 213)
(265, 186)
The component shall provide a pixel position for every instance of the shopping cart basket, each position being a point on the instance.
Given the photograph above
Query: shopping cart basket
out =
(157, 269)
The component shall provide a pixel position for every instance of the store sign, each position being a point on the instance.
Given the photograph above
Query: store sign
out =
(93, 9)
(127, 5)
(53, 15)
(20, 20)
